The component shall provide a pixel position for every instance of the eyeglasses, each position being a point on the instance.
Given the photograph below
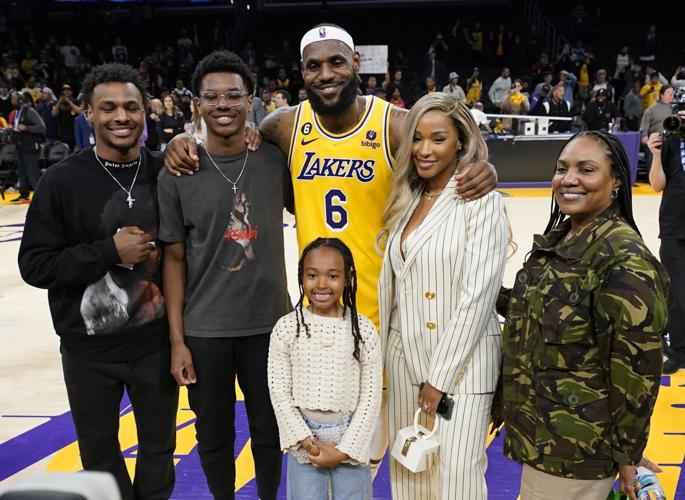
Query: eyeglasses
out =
(232, 98)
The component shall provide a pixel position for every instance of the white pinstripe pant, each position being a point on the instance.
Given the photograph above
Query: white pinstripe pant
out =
(460, 473)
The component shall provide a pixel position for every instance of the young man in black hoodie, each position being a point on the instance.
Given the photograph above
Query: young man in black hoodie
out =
(89, 239)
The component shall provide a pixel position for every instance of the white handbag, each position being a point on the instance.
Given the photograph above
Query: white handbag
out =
(415, 446)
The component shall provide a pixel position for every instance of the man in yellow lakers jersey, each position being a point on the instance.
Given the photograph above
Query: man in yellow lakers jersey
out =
(340, 148)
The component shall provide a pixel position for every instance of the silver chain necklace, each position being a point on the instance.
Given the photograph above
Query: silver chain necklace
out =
(235, 184)
(129, 199)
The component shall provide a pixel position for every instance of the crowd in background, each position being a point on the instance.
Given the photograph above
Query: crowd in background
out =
(493, 68)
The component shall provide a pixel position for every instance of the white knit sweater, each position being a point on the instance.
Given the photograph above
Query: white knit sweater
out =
(321, 373)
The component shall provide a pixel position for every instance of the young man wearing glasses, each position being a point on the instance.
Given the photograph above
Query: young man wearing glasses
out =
(224, 276)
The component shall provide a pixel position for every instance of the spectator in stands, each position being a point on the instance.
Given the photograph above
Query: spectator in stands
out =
(435, 68)
(439, 47)
(83, 131)
(600, 112)
(678, 78)
(535, 96)
(515, 103)
(32, 88)
(541, 67)
(650, 92)
(31, 129)
(480, 118)
(398, 83)
(371, 85)
(257, 111)
(601, 83)
(396, 97)
(28, 63)
(568, 80)
(634, 74)
(653, 118)
(282, 98)
(430, 85)
(282, 80)
(563, 59)
(585, 69)
(267, 102)
(47, 103)
(500, 88)
(632, 107)
(453, 88)
(649, 69)
(66, 110)
(71, 56)
(546, 80)
(154, 110)
(559, 107)
(182, 96)
(301, 94)
(184, 41)
(622, 62)
(5, 100)
(197, 126)
(474, 87)
(537, 99)
(119, 51)
(171, 121)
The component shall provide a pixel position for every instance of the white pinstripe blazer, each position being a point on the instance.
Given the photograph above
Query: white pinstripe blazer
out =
(445, 291)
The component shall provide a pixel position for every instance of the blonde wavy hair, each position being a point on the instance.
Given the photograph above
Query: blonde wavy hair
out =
(406, 181)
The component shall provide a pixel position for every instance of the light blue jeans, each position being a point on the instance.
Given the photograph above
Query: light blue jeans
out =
(348, 482)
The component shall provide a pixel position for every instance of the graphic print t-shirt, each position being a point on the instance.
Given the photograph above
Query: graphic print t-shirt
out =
(235, 278)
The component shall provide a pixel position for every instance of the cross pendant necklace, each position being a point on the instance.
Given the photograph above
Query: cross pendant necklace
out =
(129, 199)
(233, 183)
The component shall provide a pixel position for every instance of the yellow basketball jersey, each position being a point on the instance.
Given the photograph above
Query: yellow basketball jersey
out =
(341, 184)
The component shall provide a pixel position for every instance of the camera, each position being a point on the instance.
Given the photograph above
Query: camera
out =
(674, 124)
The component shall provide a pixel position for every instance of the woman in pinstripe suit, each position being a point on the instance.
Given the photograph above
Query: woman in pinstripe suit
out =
(442, 269)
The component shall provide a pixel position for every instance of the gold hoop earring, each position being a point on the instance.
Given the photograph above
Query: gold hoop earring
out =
(614, 194)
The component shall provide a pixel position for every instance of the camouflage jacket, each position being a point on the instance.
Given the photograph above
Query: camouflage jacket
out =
(582, 350)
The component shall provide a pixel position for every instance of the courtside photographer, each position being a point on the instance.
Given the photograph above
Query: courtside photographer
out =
(667, 174)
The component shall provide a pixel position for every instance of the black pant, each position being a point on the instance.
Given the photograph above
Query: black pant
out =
(217, 361)
(28, 169)
(672, 253)
(95, 390)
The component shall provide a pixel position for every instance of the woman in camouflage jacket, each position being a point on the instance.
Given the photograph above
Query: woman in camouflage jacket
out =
(582, 338)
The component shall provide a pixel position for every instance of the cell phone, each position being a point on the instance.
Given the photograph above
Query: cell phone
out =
(445, 407)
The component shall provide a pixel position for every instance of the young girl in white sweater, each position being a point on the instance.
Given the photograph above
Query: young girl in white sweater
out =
(325, 379)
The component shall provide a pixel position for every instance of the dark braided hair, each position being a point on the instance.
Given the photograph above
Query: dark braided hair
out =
(349, 294)
(620, 167)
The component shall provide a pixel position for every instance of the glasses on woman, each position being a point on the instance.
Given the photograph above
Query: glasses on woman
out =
(233, 99)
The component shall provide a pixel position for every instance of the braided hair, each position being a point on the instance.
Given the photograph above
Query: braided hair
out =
(620, 167)
(349, 294)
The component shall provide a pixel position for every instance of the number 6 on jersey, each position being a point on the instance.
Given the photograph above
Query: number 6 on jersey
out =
(336, 215)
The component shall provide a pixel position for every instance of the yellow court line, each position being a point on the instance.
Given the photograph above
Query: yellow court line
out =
(663, 448)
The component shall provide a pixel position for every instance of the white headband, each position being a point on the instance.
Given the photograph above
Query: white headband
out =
(323, 33)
